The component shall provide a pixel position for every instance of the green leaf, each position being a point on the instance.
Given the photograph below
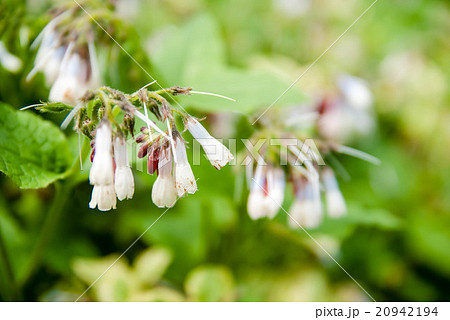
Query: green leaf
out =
(151, 264)
(210, 283)
(252, 90)
(33, 151)
(428, 240)
(116, 285)
(54, 107)
(195, 57)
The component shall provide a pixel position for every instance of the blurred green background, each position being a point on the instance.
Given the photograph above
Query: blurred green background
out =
(395, 239)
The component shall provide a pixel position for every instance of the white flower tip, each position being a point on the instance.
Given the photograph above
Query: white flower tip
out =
(164, 192)
(103, 197)
(124, 183)
(304, 213)
(261, 206)
(335, 204)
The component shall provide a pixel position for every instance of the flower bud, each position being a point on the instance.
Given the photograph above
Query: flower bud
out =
(164, 191)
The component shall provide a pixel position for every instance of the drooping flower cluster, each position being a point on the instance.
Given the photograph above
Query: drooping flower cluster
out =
(107, 117)
(67, 58)
(68, 63)
(268, 184)
(167, 156)
(300, 159)
(111, 177)
(348, 113)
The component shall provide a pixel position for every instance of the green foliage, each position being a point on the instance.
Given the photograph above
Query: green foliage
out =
(141, 282)
(34, 152)
(55, 107)
(210, 283)
(394, 240)
(195, 56)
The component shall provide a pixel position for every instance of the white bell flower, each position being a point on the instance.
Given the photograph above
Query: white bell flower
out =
(164, 191)
(123, 177)
(102, 172)
(305, 211)
(266, 192)
(103, 197)
(184, 177)
(216, 152)
(77, 75)
(336, 206)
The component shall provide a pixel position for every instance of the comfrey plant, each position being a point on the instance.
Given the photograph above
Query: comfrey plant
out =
(272, 161)
(107, 117)
(67, 58)
(300, 163)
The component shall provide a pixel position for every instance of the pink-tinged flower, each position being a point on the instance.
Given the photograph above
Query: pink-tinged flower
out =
(306, 211)
(184, 177)
(335, 201)
(216, 152)
(123, 178)
(103, 197)
(266, 192)
(164, 192)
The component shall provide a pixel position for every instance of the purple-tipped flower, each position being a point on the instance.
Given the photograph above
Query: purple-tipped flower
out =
(102, 171)
(184, 177)
(164, 192)
(123, 177)
(216, 152)
(266, 192)
(335, 201)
